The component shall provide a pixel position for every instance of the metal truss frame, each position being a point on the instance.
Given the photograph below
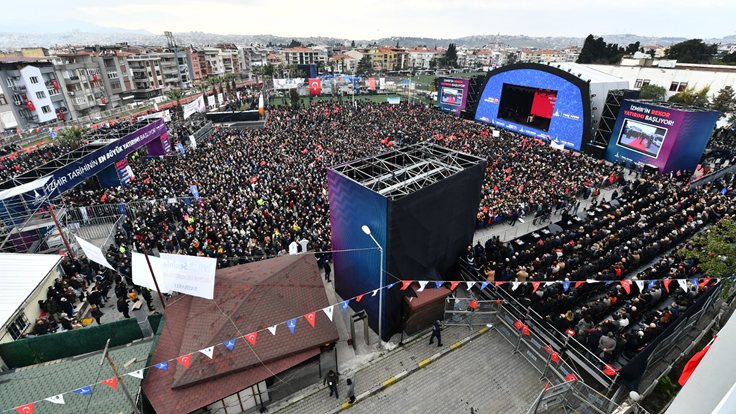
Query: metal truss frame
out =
(408, 169)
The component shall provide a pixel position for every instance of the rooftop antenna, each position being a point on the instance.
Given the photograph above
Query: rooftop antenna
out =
(170, 40)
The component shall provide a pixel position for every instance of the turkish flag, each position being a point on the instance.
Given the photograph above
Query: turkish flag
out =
(555, 357)
(31, 106)
(112, 382)
(315, 87)
(252, 338)
(571, 377)
(691, 365)
(94, 77)
(626, 285)
(185, 360)
(525, 330)
(474, 304)
(357, 298)
(56, 84)
(519, 324)
(25, 409)
(372, 83)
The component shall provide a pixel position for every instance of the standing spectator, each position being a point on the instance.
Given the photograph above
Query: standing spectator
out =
(436, 332)
(351, 390)
(96, 313)
(146, 293)
(66, 306)
(331, 379)
(123, 306)
(52, 309)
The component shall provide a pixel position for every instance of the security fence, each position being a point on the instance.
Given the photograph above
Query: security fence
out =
(572, 397)
(469, 312)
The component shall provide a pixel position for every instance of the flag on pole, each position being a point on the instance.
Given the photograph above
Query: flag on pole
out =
(693, 363)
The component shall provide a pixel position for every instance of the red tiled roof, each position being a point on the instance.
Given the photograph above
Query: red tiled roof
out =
(430, 294)
(300, 49)
(342, 57)
(255, 296)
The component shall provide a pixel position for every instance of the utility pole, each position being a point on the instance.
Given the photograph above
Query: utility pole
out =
(106, 354)
(153, 276)
(61, 231)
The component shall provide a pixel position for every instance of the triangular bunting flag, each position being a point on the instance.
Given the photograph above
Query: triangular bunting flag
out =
(609, 282)
(230, 344)
(453, 285)
(666, 284)
(344, 305)
(515, 285)
(578, 283)
(591, 281)
(138, 374)
(626, 285)
(272, 329)
(549, 283)
(650, 286)
(310, 318)
(185, 360)
(251, 337)
(536, 286)
(683, 284)
(704, 282)
(291, 324)
(470, 285)
(328, 311)
(405, 284)
(25, 409)
(422, 285)
(112, 382)
(84, 390)
(640, 285)
(392, 285)
(499, 283)
(56, 399)
(484, 285)
(208, 351)
(438, 284)
(566, 285)
(164, 366)
(359, 297)
(374, 292)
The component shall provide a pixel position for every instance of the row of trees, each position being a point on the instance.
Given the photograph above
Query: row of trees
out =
(724, 101)
(596, 50)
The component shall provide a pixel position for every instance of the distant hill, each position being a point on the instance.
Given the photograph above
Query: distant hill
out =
(69, 25)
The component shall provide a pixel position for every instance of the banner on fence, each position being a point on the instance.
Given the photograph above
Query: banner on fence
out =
(192, 275)
(93, 253)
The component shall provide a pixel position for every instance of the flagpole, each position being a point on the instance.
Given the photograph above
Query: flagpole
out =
(61, 232)
(158, 290)
(106, 354)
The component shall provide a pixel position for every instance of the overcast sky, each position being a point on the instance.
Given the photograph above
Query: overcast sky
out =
(421, 18)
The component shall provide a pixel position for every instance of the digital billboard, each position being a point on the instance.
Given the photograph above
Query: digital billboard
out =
(655, 133)
(539, 101)
(452, 95)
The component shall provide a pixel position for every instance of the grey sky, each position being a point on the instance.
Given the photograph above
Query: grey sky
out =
(422, 18)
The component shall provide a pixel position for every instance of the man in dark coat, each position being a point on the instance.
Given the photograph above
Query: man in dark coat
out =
(123, 306)
(436, 332)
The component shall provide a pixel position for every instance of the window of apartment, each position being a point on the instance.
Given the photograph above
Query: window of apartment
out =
(18, 326)
(638, 83)
(683, 86)
(3, 100)
(41, 95)
(160, 83)
(115, 85)
(34, 79)
(10, 82)
(673, 87)
(158, 73)
(18, 99)
(90, 98)
(53, 92)
(112, 75)
(645, 82)
(46, 109)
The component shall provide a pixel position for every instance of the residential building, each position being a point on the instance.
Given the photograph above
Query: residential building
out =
(572, 53)
(303, 56)
(33, 93)
(387, 58)
(230, 58)
(343, 64)
(82, 77)
(214, 60)
(116, 78)
(542, 56)
(147, 74)
(251, 57)
(36, 52)
(198, 66)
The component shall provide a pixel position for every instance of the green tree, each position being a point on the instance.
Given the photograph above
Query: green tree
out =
(653, 91)
(176, 95)
(295, 72)
(294, 97)
(725, 102)
(715, 251)
(692, 51)
(594, 49)
(213, 82)
(352, 44)
(269, 70)
(202, 87)
(295, 43)
(70, 137)
(692, 97)
(365, 66)
(729, 58)
(451, 55)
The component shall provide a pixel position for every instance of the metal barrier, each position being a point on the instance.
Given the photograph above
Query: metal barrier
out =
(459, 312)
(572, 396)
(705, 179)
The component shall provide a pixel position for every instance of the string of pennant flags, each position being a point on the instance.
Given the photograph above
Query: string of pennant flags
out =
(310, 317)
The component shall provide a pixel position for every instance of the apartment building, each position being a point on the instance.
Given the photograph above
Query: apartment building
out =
(82, 78)
(31, 94)
(303, 56)
(147, 74)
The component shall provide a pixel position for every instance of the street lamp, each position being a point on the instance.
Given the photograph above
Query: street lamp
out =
(367, 231)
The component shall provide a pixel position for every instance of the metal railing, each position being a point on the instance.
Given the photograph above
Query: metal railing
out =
(573, 396)
(705, 179)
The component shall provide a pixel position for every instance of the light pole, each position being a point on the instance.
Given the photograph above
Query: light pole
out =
(367, 231)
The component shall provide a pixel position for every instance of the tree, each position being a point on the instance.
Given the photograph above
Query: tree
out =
(653, 91)
(593, 50)
(725, 102)
(176, 95)
(294, 97)
(692, 97)
(213, 82)
(715, 251)
(451, 55)
(295, 43)
(70, 137)
(397, 44)
(365, 66)
(295, 72)
(202, 87)
(692, 51)
(729, 58)
(352, 44)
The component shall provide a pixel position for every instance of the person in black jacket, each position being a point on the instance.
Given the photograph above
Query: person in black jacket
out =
(96, 313)
(328, 270)
(436, 332)
(146, 293)
(123, 306)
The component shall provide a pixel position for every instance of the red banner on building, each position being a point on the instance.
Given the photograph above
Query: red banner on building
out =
(94, 77)
(372, 83)
(56, 84)
(61, 115)
(102, 99)
(315, 87)
(31, 106)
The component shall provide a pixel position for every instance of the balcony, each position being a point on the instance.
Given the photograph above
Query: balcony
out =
(19, 88)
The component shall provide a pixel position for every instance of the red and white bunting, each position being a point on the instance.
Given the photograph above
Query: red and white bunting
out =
(112, 382)
(374, 292)
(272, 329)
(251, 337)
(136, 374)
(310, 317)
(422, 285)
(25, 409)
(56, 399)
(536, 286)
(208, 351)
(359, 297)
(470, 285)
(328, 311)
(405, 284)
(185, 360)
(453, 285)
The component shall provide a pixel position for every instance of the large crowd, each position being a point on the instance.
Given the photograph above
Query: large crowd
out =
(263, 190)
